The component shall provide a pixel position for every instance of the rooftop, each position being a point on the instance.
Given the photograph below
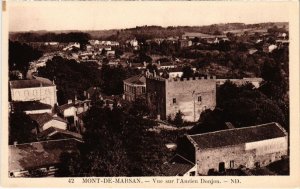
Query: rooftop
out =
(55, 133)
(39, 154)
(29, 105)
(32, 83)
(178, 165)
(43, 118)
(138, 80)
(237, 136)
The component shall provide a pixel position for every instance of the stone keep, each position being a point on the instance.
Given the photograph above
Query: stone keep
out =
(192, 96)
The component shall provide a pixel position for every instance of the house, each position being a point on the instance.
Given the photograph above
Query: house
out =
(110, 53)
(166, 97)
(46, 120)
(30, 107)
(39, 159)
(173, 72)
(256, 81)
(247, 147)
(38, 89)
(165, 65)
(185, 43)
(134, 87)
(71, 110)
(70, 46)
(53, 133)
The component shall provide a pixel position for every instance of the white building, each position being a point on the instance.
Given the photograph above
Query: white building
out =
(39, 89)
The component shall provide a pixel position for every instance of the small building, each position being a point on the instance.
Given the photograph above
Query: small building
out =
(247, 147)
(30, 107)
(71, 110)
(39, 159)
(134, 87)
(38, 89)
(46, 120)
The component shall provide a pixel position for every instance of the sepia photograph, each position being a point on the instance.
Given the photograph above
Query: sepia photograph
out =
(149, 89)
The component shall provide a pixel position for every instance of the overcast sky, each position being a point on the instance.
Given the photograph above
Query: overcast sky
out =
(116, 15)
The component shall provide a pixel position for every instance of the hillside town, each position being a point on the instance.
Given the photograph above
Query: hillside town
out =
(150, 101)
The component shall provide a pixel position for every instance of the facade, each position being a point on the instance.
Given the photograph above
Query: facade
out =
(248, 147)
(165, 97)
(40, 89)
(134, 87)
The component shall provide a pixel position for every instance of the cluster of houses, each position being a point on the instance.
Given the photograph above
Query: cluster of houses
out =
(60, 127)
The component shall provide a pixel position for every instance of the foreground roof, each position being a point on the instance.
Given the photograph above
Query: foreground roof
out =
(238, 136)
(138, 80)
(178, 165)
(32, 83)
(39, 154)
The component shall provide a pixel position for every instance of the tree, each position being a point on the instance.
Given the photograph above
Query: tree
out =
(22, 129)
(71, 77)
(178, 120)
(20, 55)
(116, 144)
(187, 72)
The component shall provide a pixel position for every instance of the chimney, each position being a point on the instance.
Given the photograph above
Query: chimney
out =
(229, 125)
(69, 101)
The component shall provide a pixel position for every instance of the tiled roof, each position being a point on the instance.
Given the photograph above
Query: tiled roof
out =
(29, 105)
(55, 133)
(178, 165)
(238, 136)
(65, 106)
(39, 154)
(138, 79)
(41, 119)
(32, 83)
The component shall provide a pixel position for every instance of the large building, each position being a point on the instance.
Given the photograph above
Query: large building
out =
(134, 87)
(249, 147)
(166, 97)
(39, 89)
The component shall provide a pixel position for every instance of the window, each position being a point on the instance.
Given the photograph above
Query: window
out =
(174, 100)
(192, 173)
(199, 98)
(231, 164)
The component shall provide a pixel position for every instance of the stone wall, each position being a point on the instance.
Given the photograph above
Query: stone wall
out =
(156, 96)
(235, 156)
(191, 97)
